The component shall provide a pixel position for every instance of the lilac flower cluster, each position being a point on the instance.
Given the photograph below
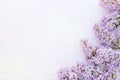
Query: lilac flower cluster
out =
(108, 30)
(110, 4)
(102, 62)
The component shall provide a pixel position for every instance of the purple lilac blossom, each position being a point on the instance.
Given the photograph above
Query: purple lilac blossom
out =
(88, 71)
(67, 74)
(110, 75)
(103, 64)
(100, 55)
(89, 49)
(110, 4)
(108, 30)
